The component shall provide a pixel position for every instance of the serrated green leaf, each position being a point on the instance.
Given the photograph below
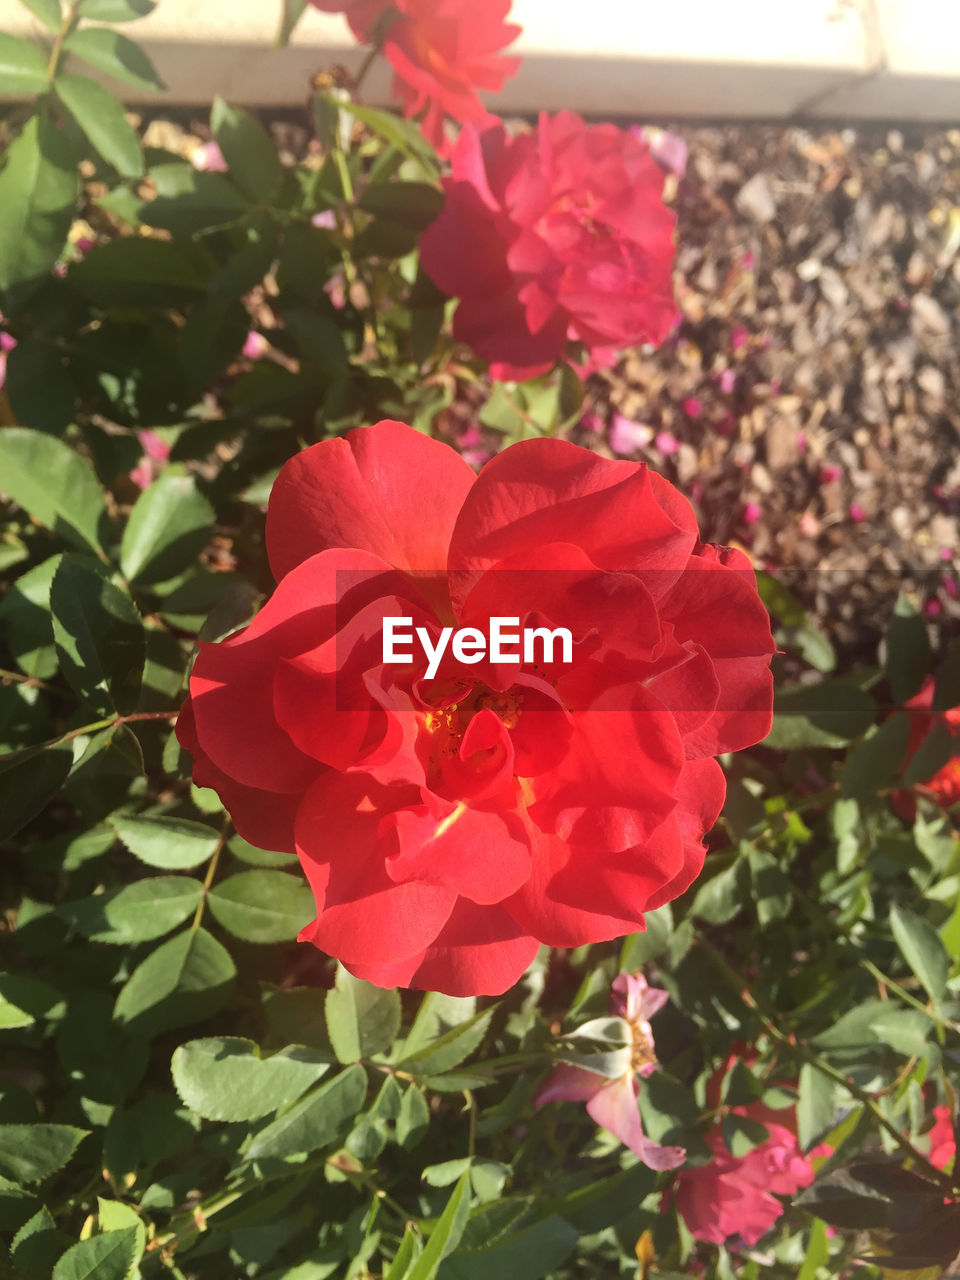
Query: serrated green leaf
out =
(48, 11)
(248, 150)
(262, 906)
(102, 119)
(816, 1105)
(39, 186)
(922, 949)
(28, 782)
(104, 1257)
(136, 912)
(114, 1215)
(37, 1245)
(175, 844)
(446, 1234)
(100, 640)
(450, 1049)
(187, 978)
(361, 1019)
(32, 1152)
(114, 53)
(23, 68)
(115, 10)
(53, 484)
(169, 526)
(225, 1078)
(315, 1121)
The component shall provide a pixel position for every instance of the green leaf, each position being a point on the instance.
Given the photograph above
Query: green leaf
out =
(827, 714)
(169, 526)
(936, 749)
(361, 1019)
(188, 978)
(26, 622)
(23, 68)
(104, 1257)
(527, 1254)
(876, 763)
(32, 1152)
(115, 10)
(445, 1236)
(189, 200)
(450, 1049)
(136, 912)
(41, 391)
(721, 897)
(101, 118)
(136, 271)
(28, 782)
(818, 1251)
(37, 1245)
(48, 11)
(99, 637)
(315, 1121)
(413, 205)
(262, 906)
(175, 844)
(816, 1105)
(640, 948)
(114, 1215)
(115, 54)
(405, 135)
(225, 1078)
(908, 651)
(946, 689)
(53, 484)
(39, 186)
(292, 12)
(248, 150)
(408, 1251)
(922, 949)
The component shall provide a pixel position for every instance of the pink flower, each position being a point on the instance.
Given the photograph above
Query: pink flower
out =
(830, 473)
(256, 345)
(210, 158)
(612, 1102)
(693, 406)
(326, 220)
(7, 343)
(668, 149)
(473, 446)
(626, 436)
(155, 450)
(752, 512)
(739, 337)
(943, 1147)
(666, 443)
(728, 381)
(568, 238)
(856, 513)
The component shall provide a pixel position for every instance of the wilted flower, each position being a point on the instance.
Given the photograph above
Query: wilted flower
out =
(611, 1096)
(569, 240)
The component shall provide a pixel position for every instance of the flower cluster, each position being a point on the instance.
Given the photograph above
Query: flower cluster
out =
(448, 826)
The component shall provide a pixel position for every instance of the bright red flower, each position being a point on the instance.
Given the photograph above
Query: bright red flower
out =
(569, 239)
(943, 786)
(943, 1147)
(448, 826)
(737, 1196)
(441, 51)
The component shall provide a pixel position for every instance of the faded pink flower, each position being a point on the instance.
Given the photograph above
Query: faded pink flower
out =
(256, 346)
(210, 158)
(326, 220)
(666, 443)
(7, 343)
(626, 436)
(856, 513)
(612, 1102)
(728, 381)
(155, 450)
(830, 473)
(473, 446)
(668, 149)
(752, 511)
(739, 337)
(693, 406)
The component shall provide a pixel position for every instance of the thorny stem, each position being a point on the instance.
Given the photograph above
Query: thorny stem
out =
(90, 728)
(800, 1051)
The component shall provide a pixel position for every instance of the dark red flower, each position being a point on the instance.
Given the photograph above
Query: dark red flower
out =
(568, 238)
(942, 786)
(441, 51)
(449, 825)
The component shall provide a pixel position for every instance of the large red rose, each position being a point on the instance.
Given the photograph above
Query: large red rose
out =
(441, 51)
(448, 826)
(569, 239)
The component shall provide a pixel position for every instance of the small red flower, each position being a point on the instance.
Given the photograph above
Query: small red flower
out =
(569, 239)
(441, 51)
(944, 785)
(449, 825)
(943, 1147)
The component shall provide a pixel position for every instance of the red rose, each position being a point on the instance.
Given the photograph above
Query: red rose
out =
(569, 239)
(442, 52)
(448, 826)
(943, 786)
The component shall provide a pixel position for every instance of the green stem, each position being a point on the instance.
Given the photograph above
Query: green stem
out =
(472, 1137)
(30, 681)
(95, 727)
(66, 26)
(211, 872)
(767, 1019)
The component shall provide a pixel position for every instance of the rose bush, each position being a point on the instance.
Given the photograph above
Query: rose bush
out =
(441, 51)
(448, 827)
(569, 240)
